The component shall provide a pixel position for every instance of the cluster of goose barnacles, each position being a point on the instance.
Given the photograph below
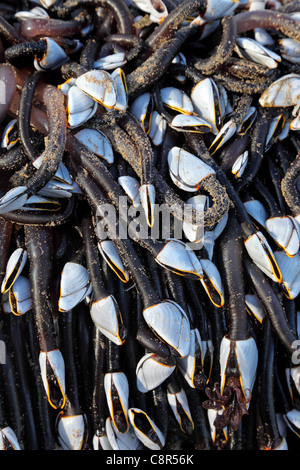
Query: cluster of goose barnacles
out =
(111, 342)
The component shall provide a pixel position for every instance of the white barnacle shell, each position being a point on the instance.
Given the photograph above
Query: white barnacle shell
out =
(110, 62)
(194, 232)
(295, 123)
(285, 130)
(246, 355)
(255, 306)
(75, 46)
(40, 203)
(158, 128)
(208, 241)
(212, 282)
(141, 108)
(61, 175)
(8, 439)
(6, 142)
(76, 119)
(19, 296)
(225, 106)
(292, 375)
(44, 3)
(152, 370)
(290, 49)
(78, 101)
(97, 142)
(14, 199)
(187, 364)
(53, 58)
(240, 164)
(211, 416)
(250, 49)
(290, 270)
(190, 123)
(179, 258)
(65, 86)
(180, 59)
(5, 303)
(119, 382)
(171, 324)
(147, 199)
(297, 219)
(282, 446)
(209, 27)
(176, 99)
(156, 8)
(220, 226)
(216, 9)
(247, 121)
(107, 317)
(14, 267)
(263, 37)
(81, 107)
(131, 187)
(257, 211)
(57, 189)
(119, 79)
(99, 85)
(261, 253)
(207, 351)
(206, 101)
(186, 170)
(85, 30)
(101, 441)
(71, 431)
(276, 126)
(283, 92)
(53, 359)
(153, 440)
(284, 231)
(292, 418)
(36, 12)
(75, 285)
(180, 398)
(226, 132)
(47, 3)
(260, 34)
(295, 15)
(120, 440)
(110, 254)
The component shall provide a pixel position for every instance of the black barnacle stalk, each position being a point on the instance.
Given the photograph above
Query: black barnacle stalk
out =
(71, 422)
(39, 243)
(273, 306)
(272, 437)
(231, 397)
(288, 183)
